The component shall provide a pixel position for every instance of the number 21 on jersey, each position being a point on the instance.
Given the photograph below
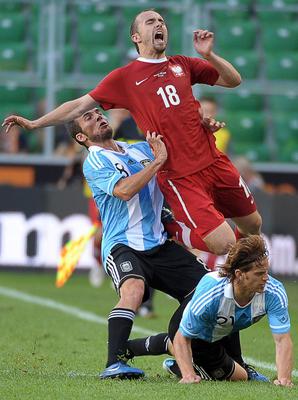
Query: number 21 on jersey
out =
(169, 95)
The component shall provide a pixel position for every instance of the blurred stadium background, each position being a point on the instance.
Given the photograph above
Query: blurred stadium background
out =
(53, 51)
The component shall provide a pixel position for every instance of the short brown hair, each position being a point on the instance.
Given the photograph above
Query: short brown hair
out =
(244, 255)
(134, 26)
(73, 128)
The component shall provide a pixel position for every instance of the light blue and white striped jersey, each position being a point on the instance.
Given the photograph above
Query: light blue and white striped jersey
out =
(137, 222)
(213, 312)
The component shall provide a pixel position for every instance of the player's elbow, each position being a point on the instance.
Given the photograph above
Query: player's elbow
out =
(124, 197)
(122, 194)
(235, 81)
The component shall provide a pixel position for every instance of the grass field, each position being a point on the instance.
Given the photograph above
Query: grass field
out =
(53, 344)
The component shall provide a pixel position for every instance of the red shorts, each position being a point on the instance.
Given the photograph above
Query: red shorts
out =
(203, 200)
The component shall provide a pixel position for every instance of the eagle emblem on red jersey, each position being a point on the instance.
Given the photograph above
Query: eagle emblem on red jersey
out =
(177, 70)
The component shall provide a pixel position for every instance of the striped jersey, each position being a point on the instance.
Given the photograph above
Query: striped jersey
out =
(137, 222)
(213, 312)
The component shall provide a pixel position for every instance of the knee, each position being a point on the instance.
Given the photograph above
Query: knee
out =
(257, 225)
(223, 246)
(254, 225)
(132, 291)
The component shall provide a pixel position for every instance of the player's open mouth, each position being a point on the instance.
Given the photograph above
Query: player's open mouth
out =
(159, 37)
(103, 124)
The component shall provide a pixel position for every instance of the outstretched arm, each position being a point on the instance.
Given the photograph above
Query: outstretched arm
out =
(183, 355)
(203, 43)
(66, 112)
(284, 359)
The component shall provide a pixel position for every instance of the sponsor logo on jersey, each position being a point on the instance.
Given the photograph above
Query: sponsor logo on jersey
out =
(160, 74)
(145, 162)
(130, 161)
(139, 82)
(218, 373)
(283, 319)
(126, 266)
(177, 70)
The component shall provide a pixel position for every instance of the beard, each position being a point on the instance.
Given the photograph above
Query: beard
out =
(107, 134)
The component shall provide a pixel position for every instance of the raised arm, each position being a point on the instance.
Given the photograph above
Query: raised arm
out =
(183, 355)
(126, 188)
(284, 359)
(203, 43)
(66, 112)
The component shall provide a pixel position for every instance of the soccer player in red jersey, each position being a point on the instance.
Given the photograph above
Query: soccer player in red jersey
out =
(199, 182)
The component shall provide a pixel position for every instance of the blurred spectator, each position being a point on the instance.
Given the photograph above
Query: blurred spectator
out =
(10, 144)
(72, 173)
(124, 126)
(251, 177)
(210, 109)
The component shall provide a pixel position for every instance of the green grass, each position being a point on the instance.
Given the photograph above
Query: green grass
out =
(47, 354)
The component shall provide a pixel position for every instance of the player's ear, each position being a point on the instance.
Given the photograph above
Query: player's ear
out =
(81, 137)
(136, 38)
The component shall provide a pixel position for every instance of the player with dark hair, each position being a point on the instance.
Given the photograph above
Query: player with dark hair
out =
(199, 182)
(135, 250)
(236, 296)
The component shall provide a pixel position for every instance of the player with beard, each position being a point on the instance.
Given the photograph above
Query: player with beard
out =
(135, 250)
(199, 182)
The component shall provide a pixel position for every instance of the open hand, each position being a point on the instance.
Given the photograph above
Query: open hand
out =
(12, 120)
(212, 125)
(158, 147)
(193, 378)
(283, 382)
(203, 42)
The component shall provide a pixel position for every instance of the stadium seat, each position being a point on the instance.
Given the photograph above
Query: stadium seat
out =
(13, 57)
(26, 110)
(34, 29)
(229, 3)
(97, 30)
(12, 27)
(236, 35)
(220, 17)
(282, 66)
(246, 127)
(277, 4)
(285, 127)
(286, 102)
(282, 36)
(99, 61)
(8, 7)
(288, 152)
(253, 152)
(242, 100)
(269, 17)
(89, 9)
(246, 62)
(13, 93)
(66, 94)
(69, 63)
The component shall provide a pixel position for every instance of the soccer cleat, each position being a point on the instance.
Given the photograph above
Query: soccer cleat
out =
(171, 366)
(121, 370)
(254, 375)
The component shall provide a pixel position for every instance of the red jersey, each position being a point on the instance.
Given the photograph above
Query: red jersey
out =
(158, 94)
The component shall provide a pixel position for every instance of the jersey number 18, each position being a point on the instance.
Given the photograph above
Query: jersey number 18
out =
(169, 95)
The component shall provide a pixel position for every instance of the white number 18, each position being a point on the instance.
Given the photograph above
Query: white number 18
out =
(169, 95)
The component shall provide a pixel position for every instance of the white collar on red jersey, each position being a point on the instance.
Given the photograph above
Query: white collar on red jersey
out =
(152, 60)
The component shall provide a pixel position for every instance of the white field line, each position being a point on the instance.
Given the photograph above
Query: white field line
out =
(91, 317)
